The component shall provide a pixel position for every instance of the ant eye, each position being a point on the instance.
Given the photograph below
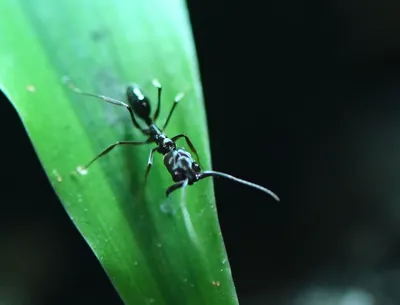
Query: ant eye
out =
(178, 176)
(196, 167)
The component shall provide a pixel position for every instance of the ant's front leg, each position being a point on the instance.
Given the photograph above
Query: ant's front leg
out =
(149, 164)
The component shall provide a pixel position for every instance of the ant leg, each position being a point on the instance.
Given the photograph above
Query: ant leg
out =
(176, 186)
(110, 100)
(157, 84)
(189, 143)
(177, 99)
(219, 174)
(149, 164)
(109, 148)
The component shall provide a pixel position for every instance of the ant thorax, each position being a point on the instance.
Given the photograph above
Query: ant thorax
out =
(165, 145)
(181, 166)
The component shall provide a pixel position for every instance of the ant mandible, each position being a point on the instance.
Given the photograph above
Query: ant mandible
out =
(179, 163)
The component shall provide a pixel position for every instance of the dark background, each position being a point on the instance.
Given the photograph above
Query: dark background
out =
(310, 108)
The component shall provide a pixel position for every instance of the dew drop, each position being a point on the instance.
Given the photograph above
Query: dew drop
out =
(57, 175)
(31, 88)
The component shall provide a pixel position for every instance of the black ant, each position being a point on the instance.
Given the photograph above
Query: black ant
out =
(179, 163)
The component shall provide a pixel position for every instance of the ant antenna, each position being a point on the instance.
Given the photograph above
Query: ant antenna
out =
(206, 174)
(178, 185)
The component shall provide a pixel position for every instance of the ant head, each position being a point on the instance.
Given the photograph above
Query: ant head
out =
(178, 174)
(138, 101)
(196, 167)
(181, 166)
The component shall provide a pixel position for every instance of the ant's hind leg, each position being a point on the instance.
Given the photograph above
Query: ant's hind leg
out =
(176, 101)
(66, 80)
(157, 84)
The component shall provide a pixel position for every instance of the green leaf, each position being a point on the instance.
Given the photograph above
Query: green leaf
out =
(155, 250)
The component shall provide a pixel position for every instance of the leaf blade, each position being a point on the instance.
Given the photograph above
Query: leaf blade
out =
(150, 253)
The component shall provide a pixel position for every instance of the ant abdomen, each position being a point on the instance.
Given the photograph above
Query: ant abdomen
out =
(139, 103)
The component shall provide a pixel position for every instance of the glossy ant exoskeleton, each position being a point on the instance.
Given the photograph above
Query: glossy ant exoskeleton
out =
(179, 163)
